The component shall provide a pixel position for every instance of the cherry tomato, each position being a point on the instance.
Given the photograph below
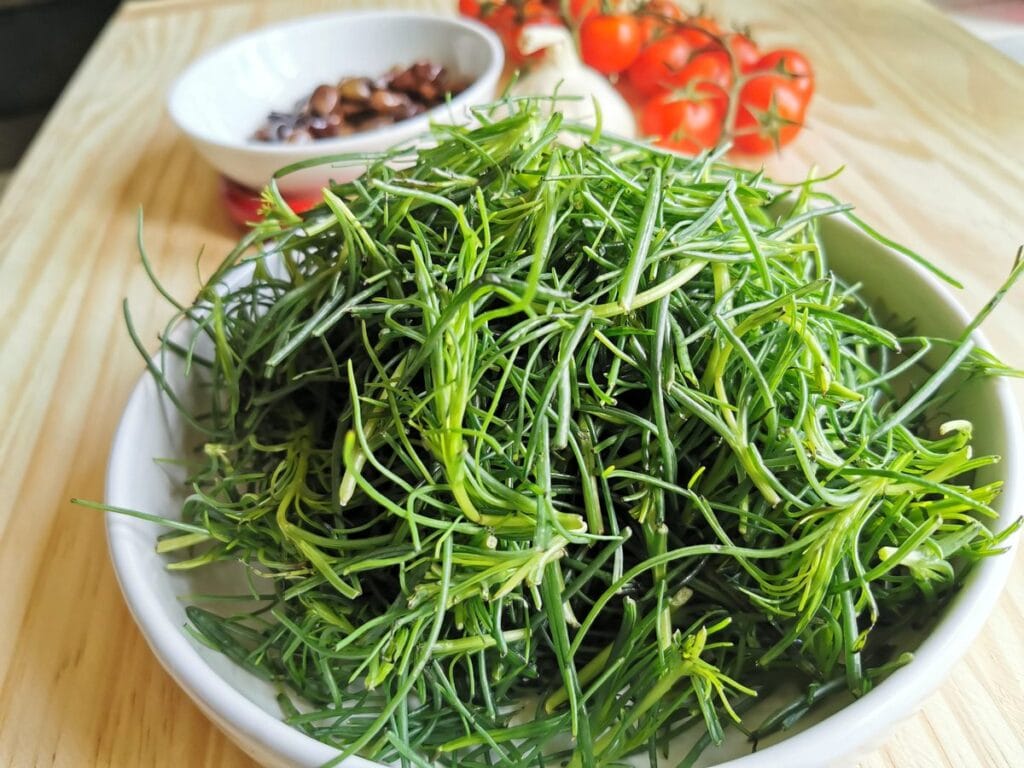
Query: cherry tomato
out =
(791, 64)
(709, 70)
(244, 204)
(657, 19)
(535, 12)
(697, 38)
(508, 21)
(503, 19)
(581, 10)
(656, 65)
(610, 42)
(470, 8)
(683, 124)
(634, 98)
(744, 50)
(770, 114)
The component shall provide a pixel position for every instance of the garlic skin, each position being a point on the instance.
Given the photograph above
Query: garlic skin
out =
(561, 71)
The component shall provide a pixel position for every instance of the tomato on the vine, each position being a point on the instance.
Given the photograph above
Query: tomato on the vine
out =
(658, 63)
(470, 8)
(507, 21)
(682, 123)
(708, 69)
(793, 65)
(744, 50)
(770, 115)
(610, 42)
(581, 10)
(679, 72)
(658, 18)
(697, 38)
(535, 12)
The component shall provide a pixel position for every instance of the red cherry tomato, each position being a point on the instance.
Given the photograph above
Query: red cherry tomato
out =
(793, 65)
(770, 114)
(503, 20)
(244, 204)
(535, 12)
(581, 10)
(658, 63)
(634, 98)
(658, 17)
(744, 51)
(709, 70)
(697, 38)
(508, 21)
(470, 8)
(610, 42)
(683, 124)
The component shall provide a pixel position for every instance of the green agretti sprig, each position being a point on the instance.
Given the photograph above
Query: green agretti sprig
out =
(538, 452)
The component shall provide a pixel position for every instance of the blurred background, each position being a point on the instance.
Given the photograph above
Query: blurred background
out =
(43, 41)
(41, 44)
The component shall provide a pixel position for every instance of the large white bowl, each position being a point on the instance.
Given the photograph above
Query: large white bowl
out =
(245, 708)
(222, 98)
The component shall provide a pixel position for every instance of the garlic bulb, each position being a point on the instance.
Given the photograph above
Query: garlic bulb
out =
(560, 72)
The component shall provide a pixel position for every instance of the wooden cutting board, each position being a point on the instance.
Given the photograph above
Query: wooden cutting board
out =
(928, 121)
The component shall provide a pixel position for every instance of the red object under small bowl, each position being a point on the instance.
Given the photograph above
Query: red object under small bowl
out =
(243, 203)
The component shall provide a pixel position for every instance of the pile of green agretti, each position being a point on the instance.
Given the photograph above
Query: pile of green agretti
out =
(539, 453)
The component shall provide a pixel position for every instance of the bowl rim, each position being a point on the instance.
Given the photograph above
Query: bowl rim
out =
(902, 692)
(846, 730)
(388, 134)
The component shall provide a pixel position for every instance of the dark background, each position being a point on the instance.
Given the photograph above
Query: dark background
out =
(41, 44)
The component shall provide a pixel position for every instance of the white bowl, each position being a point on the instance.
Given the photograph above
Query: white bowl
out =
(245, 708)
(222, 98)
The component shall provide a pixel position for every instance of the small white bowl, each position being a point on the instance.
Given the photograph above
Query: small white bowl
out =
(245, 708)
(222, 98)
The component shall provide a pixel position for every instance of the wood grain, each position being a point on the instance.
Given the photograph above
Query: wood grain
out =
(927, 120)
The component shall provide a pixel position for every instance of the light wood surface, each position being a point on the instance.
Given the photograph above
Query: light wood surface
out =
(930, 126)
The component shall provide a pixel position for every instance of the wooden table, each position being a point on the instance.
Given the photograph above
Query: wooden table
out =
(930, 125)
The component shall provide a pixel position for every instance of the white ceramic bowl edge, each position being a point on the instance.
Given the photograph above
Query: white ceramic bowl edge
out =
(244, 707)
(222, 97)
